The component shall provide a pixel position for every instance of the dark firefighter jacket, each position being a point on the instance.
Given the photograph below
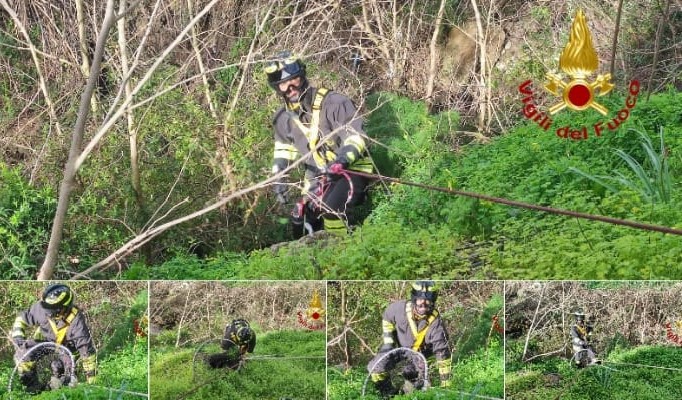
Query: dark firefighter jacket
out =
(70, 331)
(231, 339)
(396, 322)
(581, 335)
(297, 132)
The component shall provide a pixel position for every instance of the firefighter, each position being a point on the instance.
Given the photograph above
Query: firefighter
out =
(55, 319)
(238, 340)
(581, 336)
(326, 124)
(413, 324)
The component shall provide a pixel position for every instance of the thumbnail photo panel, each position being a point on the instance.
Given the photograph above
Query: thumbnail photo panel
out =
(246, 340)
(593, 340)
(415, 339)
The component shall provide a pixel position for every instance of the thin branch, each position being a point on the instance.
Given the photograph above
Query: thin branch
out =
(36, 63)
(152, 69)
(200, 62)
(47, 268)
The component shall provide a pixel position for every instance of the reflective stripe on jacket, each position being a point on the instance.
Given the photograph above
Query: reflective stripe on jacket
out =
(74, 334)
(434, 341)
(296, 134)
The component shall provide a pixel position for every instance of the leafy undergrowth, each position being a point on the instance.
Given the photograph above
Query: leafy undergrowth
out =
(172, 377)
(412, 231)
(614, 380)
(388, 251)
(480, 373)
(122, 375)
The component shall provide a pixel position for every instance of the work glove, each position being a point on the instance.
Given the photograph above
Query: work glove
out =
(335, 169)
(91, 379)
(338, 165)
(445, 381)
(298, 212)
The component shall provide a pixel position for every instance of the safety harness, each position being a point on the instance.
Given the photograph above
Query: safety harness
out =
(582, 330)
(323, 155)
(60, 333)
(419, 335)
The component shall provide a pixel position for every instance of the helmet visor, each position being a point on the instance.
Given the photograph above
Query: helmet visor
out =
(280, 71)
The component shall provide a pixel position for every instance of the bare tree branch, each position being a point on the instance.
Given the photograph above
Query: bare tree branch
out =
(434, 54)
(71, 168)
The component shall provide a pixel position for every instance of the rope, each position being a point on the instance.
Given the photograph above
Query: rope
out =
(514, 203)
(276, 357)
(122, 391)
(642, 365)
(477, 395)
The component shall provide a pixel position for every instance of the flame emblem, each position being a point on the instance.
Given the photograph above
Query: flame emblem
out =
(578, 60)
(314, 314)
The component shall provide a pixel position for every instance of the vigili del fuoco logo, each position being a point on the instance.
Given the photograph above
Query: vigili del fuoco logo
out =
(578, 60)
(314, 315)
(674, 332)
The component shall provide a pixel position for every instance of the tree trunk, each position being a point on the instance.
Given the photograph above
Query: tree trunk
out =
(657, 48)
(48, 266)
(615, 38)
(135, 176)
(480, 40)
(434, 55)
(533, 323)
(132, 130)
(83, 46)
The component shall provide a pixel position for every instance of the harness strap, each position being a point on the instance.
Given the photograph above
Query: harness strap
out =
(582, 331)
(312, 132)
(419, 336)
(60, 333)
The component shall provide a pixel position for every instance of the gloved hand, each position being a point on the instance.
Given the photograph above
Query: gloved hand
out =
(335, 169)
(92, 379)
(298, 212)
(338, 165)
(445, 381)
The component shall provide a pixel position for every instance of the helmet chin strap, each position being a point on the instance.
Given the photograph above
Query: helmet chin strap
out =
(292, 106)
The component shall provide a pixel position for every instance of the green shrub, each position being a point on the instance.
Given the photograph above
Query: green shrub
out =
(26, 214)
